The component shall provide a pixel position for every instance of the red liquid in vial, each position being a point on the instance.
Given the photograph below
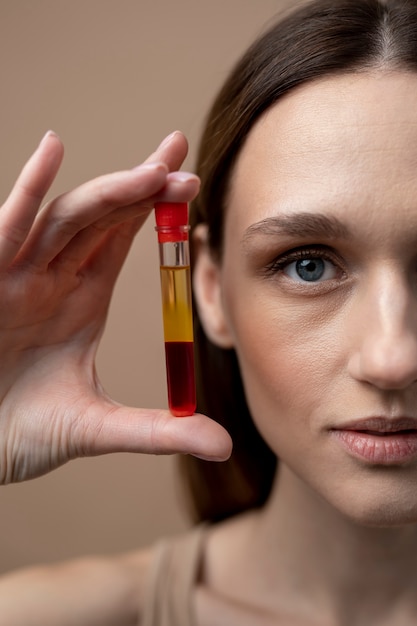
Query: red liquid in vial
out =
(180, 377)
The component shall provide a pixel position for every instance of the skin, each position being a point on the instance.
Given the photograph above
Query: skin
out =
(344, 347)
(58, 266)
(336, 544)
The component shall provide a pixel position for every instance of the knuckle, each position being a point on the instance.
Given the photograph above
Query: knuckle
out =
(13, 233)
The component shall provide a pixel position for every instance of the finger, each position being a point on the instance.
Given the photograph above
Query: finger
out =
(171, 151)
(105, 261)
(86, 247)
(69, 214)
(123, 429)
(180, 187)
(92, 246)
(20, 209)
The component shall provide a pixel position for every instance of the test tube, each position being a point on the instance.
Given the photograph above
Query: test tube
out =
(174, 255)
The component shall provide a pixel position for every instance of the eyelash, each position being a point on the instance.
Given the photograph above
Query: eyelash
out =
(279, 264)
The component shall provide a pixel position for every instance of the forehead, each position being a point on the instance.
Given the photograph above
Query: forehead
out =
(339, 143)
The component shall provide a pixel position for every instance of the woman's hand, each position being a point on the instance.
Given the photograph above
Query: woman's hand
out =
(58, 267)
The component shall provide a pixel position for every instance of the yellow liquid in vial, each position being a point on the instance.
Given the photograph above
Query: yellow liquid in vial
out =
(176, 303)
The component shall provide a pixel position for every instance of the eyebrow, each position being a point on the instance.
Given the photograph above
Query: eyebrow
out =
(301, 224)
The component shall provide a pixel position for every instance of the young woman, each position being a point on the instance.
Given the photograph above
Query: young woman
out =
(305, 280)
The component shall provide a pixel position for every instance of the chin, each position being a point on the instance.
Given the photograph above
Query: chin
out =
(383, 518)
(381, 510)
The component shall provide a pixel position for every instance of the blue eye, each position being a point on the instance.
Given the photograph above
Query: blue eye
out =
(309, 265)
(310, 269)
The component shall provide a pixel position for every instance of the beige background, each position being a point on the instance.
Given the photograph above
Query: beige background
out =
(111, 77)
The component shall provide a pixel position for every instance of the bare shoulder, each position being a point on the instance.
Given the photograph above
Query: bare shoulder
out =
(137, 566)
(91, 590)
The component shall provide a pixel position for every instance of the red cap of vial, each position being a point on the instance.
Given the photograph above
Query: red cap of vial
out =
(171, 221)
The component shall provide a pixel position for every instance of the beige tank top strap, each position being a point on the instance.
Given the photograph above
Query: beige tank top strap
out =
(172, 579)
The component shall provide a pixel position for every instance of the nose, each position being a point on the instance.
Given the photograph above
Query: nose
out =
(384, 325)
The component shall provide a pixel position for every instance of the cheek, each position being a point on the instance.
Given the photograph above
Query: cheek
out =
(289, 356)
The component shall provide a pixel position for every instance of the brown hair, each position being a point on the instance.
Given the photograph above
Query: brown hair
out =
(322, 38)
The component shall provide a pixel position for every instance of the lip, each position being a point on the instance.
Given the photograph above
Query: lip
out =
(379, 440)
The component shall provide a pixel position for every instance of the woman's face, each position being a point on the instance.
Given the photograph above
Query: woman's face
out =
(319, 288)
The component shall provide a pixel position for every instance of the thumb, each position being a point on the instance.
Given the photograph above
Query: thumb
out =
(116, 428)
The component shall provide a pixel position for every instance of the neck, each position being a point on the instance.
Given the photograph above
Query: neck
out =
(350, 573)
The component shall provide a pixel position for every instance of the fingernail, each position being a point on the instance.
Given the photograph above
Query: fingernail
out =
(167, 139)
(183, 177)
(151, 166)
(47, 135)
(214, 459)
